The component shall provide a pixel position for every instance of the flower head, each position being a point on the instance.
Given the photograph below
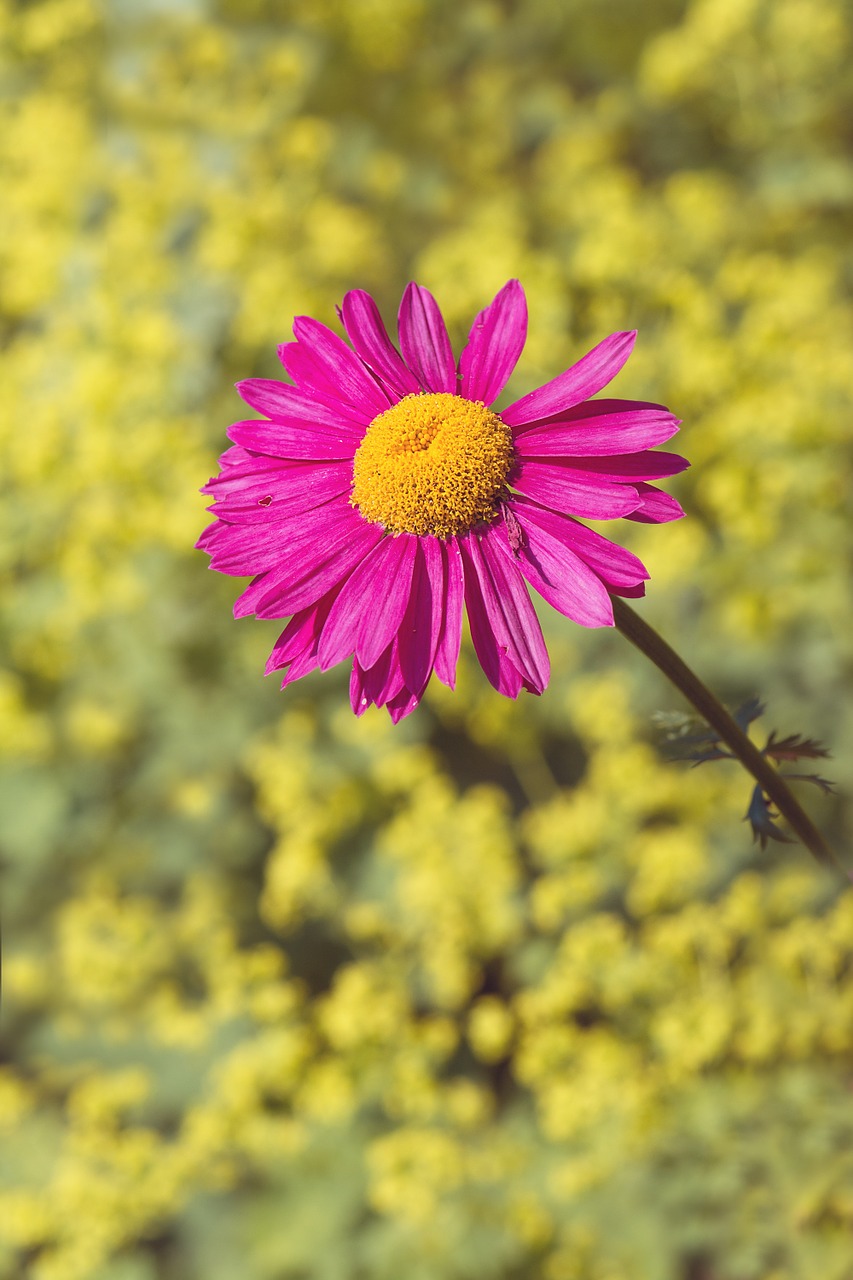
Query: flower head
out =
(382, 493)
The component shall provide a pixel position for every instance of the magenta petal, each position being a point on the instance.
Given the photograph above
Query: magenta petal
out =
(504, 628)
(321, 361)
(233, 456)
(209, 536)
(280, 441)
(369, 336)
(301, 666)
(593, 409)
(620, 469)
(357, 696)
(244, 471)
(402, 704)
(381, 682)
(450, 635)
(602, 434)
(296, 647)
(657, 507)
(560, 575)
(649, 464)
(584, 379)
(614, 564)
(564, 490)
(239, 549)
(511, 613)
(300, 634)
(326, 398)
(500, 672)
(316, 561)
(382, 620)
(421, 626)
(295, 408)
(633, 593)
(368, 612)
(258, 589)
(270, 489)
(495, 342)
(424, 340)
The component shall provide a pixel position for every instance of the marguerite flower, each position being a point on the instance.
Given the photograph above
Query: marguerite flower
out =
(382, 492)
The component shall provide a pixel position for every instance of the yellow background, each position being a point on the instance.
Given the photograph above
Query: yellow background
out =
(498, 994)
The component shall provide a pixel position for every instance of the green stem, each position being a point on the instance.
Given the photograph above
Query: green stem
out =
(713, 712)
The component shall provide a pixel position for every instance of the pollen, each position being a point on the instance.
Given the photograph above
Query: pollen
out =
(432, 464)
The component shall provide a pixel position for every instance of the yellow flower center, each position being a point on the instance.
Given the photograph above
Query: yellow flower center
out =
(432, 464)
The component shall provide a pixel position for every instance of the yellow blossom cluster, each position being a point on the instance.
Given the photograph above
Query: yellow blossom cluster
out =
(499, 992)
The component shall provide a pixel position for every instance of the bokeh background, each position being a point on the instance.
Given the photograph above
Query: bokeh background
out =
(500, 993)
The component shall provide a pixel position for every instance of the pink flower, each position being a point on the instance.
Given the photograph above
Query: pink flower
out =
(381, 491)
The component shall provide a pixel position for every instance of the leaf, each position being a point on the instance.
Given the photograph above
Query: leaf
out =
(826, 785)
(760, 817)
(702, 745)
(676, 724)
(713, 753)
(794, 747)
(749, 711)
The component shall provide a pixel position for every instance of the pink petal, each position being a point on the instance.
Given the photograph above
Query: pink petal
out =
(615, 565)
(598, 433)
(384, 680)
(592, 409)
(500, 672)
(369, 336)
(295, 408)
(316, 561)
(634, 593)
(269, 489)
(357, 696)
(379, 684)
(233, 456)
(402, 704)
(421, 626)
(584, 379)
(280, 441)
(296, 647)
(631, 467)
(450, 636)
(240, 549)
(367, 614)
(300, 634)
(321, 361)
(424, 340)
(511, 606)
(559, 575)
(209, 536)
(564, 490)
(301, 666)
(503, 621)
(495, 342)
(242, 471)
(657, 508)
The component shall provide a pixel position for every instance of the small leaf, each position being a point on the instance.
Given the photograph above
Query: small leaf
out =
(698, 747)
(749, 711)
(687, 741)
(675, 724)
(713, 753)
(760, 817)
(794, 747)
(826, 785)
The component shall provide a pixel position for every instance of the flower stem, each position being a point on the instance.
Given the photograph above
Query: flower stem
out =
(713, 712)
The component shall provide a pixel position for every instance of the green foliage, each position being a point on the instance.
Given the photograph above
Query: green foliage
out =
(498, 992)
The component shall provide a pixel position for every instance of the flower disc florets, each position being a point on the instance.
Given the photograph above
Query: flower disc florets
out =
(432, 464)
